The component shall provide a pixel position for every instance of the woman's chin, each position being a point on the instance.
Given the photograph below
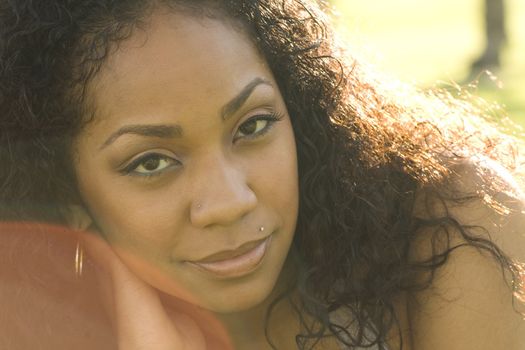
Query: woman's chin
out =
(220, 303)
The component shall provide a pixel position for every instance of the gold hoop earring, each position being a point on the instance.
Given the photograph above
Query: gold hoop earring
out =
(79, 260)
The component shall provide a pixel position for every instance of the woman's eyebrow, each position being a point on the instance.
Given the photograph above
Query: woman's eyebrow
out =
(235, 103)
(170, 131)
(162, 131)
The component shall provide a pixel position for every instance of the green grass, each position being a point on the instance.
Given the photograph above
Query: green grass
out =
(434, 41)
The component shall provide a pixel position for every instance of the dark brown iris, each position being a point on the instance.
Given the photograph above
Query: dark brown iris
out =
(151, 163)
(249, 128)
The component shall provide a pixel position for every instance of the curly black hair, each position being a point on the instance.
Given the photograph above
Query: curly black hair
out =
(367, 150)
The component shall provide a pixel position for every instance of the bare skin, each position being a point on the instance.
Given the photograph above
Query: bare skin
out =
(210, 185)
(468, 302)
(191, 153)
(469, 305)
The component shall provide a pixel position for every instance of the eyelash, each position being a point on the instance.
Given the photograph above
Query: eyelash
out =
(130, 169)
(270, 118)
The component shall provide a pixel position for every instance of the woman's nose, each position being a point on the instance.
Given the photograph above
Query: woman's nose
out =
(221, 196)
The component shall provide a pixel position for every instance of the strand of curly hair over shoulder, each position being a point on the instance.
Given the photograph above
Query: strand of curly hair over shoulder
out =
(368, 149)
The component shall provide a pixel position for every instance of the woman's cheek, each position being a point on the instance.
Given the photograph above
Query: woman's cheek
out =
(136, 217)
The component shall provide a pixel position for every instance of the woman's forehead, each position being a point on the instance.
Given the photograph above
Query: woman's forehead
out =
(178, 63)
(170, 37)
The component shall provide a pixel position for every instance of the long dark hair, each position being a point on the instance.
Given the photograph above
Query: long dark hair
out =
(369, 153)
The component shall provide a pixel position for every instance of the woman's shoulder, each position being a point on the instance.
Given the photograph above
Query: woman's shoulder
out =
(469, 304)
(500, 207)
(485, 197)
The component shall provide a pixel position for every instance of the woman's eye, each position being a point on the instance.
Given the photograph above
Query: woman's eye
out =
(256, 126)
(253, 126)
(151, 164)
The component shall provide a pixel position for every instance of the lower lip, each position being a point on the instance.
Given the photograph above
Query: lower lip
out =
(240, 265)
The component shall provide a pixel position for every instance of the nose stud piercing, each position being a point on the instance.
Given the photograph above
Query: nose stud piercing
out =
(261, 229)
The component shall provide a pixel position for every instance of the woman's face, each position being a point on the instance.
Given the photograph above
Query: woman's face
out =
(189, 167)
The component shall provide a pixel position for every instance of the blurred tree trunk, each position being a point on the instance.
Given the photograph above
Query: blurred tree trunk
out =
(495, 36)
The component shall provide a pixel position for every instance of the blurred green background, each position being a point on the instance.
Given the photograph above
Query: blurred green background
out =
(434, 42)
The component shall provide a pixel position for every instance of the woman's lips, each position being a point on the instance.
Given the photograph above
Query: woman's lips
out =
(235, 263)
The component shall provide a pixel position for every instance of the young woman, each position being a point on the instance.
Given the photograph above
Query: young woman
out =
(236, 180)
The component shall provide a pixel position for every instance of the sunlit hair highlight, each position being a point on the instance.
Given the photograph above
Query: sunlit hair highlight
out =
(369, 150)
